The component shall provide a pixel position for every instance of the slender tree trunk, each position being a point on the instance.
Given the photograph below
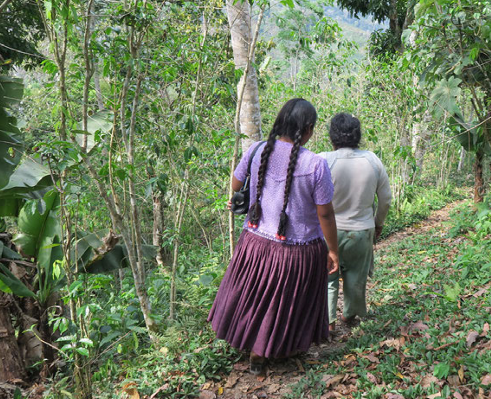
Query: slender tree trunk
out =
(11, 365)
(241, 90)
(158, 228)
(420, 138)
(97, 86)
(239, 18)
(177, 231)
(461, 160)
(479, 188)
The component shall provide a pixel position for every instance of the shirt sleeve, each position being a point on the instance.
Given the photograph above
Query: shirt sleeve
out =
(384, 197)
(323, 187)
(241, 169)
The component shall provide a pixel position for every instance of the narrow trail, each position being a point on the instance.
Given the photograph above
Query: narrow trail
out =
(280, 375)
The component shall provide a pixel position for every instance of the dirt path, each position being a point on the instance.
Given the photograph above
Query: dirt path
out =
(280, 375)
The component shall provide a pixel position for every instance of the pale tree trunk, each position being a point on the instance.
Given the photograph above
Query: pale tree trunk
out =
(461, 160)
(419, 142)
(479, 188)
(236, 11)
(11, 365)
(158, 228)
(239, 18)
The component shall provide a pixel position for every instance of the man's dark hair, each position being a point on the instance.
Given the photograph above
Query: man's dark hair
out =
(345, 131)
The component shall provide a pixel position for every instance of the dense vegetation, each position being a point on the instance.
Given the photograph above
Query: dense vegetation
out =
(117, 140)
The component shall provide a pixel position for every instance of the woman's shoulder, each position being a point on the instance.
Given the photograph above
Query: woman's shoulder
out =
(308, 162)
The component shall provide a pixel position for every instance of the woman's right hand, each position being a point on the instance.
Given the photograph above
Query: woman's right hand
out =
(332, 262)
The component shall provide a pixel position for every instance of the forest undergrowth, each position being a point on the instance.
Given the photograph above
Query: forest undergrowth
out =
(427, 333)
(426, 336)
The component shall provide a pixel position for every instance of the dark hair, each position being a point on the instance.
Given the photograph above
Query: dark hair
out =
(345, 131)
(293, 121)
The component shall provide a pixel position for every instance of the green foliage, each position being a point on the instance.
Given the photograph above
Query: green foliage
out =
(20, 44)
(451, 52)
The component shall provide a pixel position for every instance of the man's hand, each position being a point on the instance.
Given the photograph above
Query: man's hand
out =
(378, 231)
(332, 262)
(229, 205)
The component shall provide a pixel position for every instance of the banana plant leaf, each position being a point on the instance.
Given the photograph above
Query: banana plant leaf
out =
(101, 122)
(471, 138)
(12, 285)
(10, 94)
(40, 232)
(29, 176)
(11, 91)
(93, 256)
(10, 206)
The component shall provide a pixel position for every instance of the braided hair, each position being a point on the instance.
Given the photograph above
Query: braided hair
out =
(345, 131)
(293, 121)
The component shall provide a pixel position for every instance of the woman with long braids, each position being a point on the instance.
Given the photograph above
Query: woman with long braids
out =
(273, 298)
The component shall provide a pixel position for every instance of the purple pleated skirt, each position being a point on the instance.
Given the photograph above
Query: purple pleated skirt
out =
(273, 297)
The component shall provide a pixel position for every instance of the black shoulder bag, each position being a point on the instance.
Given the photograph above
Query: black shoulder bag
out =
(240, 200)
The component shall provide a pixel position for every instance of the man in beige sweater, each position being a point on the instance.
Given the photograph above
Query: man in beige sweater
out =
(358, 177)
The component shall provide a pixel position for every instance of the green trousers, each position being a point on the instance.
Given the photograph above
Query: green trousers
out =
(355, 262)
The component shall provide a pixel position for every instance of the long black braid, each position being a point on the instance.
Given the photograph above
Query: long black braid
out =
(293, 121)
(289, 177)
(255, 210)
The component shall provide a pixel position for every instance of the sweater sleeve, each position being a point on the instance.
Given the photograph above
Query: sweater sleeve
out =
(323, 187)
(241, 169)
(384, 196)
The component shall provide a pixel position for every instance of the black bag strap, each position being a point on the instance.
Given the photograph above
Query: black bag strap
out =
(252, 157)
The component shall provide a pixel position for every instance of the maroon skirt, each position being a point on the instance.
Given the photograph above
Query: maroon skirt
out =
(273, 297)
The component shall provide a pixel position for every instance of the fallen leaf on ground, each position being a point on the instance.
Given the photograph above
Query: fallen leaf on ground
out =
(418, 326)
(372, 378)
(427, 380)
(392, 343)
(480, 292)
(207, 395)
(486, 380)
(453, 380)
(273, 388)
(461, 374)
(372, 358)
(471, 338)
(394, 396)
(485, 330)
(435, 395)
(457, 395)
(131, 391)
(241, 366)
(231, 381)
(334, 380)
(299, 365)
(162, 388)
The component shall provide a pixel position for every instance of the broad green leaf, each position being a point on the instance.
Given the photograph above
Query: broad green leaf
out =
(29, 176)
(441, 370)
(86, 341)
(11, 91)
(101, 121)
(112, 260)
(15, 286)
(444, 96)
(83, 351)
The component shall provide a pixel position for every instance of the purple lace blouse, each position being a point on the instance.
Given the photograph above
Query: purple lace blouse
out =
(311, 186)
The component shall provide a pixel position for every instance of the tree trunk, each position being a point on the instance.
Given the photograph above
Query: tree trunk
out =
(158, 226)
(461, 160)
(11, 365)
(239, 18)
(479, 189)
(419, 142)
